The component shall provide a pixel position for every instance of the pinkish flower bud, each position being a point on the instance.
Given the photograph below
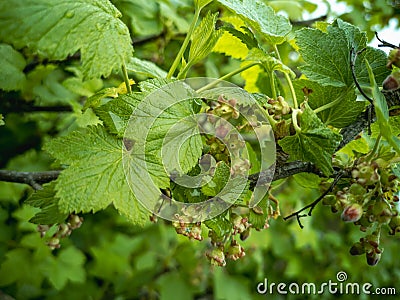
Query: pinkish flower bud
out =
(352, 213)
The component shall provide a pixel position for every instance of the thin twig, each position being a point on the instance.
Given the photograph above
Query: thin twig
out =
(313, 204)
(384, 43)
(353, 58)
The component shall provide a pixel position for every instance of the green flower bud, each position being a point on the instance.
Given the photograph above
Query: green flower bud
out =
(235, 251)
(394, 225)
(245, 234)
(216, 257)
(54, 243)
(394, 58)
(75, 221)
(63, 230)
(357, 189)
(357, 249)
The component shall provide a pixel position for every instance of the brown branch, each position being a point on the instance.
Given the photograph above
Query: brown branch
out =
(308, 23)
(34, 179)
(12, 105)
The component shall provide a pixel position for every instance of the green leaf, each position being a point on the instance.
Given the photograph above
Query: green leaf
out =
(183, 139)
(219, 180)
(244, 35)
(269, 62)
(95, 177)
(262, 18)
(12, 63)
(112, 257)
(341, 114)
(174, 281)
(116, 113)
(355, 37)
(203, 39)
(294, 8)
(170, 106)
(396, 169)
(232, 287)
(231, 45)
(2, 120)
(327, 56)
(156, 129)
(142, 17)
(48, 202)
(55, 30)
(151, 85)
(95, 100)
(394, 122)
(17, 264)
(377, 60)
(382, 112)
(308, 180)
(356, 146)
(314, 143)
(219, 225)
(257, 220)
(67, 266)
(145, 68)
(80, 86)
(45, 85)
(200, 4)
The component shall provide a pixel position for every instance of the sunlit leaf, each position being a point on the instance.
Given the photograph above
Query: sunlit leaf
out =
(65, 27)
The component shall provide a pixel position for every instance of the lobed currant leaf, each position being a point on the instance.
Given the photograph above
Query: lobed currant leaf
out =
(95, 177)
(48, 202)
(340, 115)
(145, 68)
(327, 55)
(65, 27)
(13, 63)
(203, 39)
(262, 18)
(116, 113)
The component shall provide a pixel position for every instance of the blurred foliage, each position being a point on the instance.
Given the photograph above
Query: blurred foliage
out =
(108, 258)
(375, 14)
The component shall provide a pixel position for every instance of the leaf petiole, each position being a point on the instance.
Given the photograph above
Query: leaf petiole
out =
(126, 78)
(272, 83)
(289, 81)
(226, 76)
(373, 151)
(328, 105)
(294, 120)
(179, 56)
